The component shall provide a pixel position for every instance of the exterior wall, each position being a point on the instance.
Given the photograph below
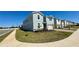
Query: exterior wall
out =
(28, 23)
(65, 23)
(71, 23)
(55, 23)
(62, 23)
(58, 23)
(36, 21)
(50, 23)
(68, 23)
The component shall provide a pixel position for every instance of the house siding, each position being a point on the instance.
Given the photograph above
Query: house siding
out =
(58, 23)
(36, 21)
(62, 23)
(50, 23)
(28, 23)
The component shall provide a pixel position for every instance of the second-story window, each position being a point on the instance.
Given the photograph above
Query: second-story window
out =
(38, 17)
(58, 20)
(50, 18)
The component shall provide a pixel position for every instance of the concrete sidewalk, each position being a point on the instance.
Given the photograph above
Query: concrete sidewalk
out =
(64, 30)
(71, 41)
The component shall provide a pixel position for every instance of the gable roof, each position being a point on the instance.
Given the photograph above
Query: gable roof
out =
(34, 12)
(50, 17)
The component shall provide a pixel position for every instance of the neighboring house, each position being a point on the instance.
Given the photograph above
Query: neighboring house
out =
(75, 23)
(58, 23)
(67, 23)
(72, 23)
(50, 22)
(62, 23)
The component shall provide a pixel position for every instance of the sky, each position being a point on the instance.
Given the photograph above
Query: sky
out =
(15, 18)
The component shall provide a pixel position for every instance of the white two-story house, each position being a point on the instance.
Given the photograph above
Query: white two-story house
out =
(62, 23)
(57, 23)
(50, 22)
(34, 22)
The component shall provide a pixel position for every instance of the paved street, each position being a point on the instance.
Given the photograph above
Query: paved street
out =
(4, 31)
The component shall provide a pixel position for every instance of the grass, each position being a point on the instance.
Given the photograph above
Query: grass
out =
(4, 36)
(40, 37)
(74, 28)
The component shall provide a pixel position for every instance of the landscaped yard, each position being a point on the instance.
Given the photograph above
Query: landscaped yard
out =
(40, 37)
(4, 36)
(74, 28)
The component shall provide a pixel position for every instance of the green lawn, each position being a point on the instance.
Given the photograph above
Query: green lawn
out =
(4, 36)
(74, 28)
(40, 37)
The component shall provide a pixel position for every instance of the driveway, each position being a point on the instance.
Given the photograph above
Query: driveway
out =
(71, 41)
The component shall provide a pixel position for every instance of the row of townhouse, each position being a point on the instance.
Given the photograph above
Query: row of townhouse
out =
(37, 21)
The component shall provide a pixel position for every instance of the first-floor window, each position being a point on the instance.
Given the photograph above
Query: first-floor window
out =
(38, 25)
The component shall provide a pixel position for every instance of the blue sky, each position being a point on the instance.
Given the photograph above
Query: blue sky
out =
(15, 18)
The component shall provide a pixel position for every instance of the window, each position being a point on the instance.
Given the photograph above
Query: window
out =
(38, 17)
(38, 25)
(58, 20)
(50, 18)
